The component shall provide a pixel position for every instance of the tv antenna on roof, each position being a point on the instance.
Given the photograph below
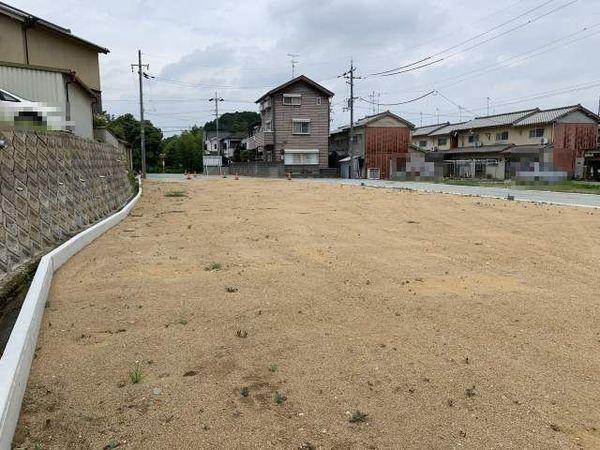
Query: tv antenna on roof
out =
(293, 60)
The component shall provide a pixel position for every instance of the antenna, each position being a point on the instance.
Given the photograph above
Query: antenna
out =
(293, 61)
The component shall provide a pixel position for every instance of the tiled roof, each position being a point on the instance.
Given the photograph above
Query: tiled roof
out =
(447, 129)
(546, 116)
(479, 149)
(424, 131)
(496, 120)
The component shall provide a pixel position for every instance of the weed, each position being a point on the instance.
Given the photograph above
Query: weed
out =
(245, 391)
(176, 194)
(358, 416)
(307, 446)
(273, 368)
(470, 392)
(111, 445)
(135, 374)
(279, 398)
(213, 267)
(231, 289)
(241, 334)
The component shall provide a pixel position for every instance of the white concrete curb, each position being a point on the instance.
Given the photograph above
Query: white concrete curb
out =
(18, 354)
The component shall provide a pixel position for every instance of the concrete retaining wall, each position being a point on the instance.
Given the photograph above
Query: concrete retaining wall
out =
(53, 185)
(18, 354)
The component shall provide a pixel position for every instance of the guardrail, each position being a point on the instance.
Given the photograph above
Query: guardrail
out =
(18, 354)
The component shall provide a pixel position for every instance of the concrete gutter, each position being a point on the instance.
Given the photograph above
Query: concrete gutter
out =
(18, 354)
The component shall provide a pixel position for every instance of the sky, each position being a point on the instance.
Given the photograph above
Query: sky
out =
(460, 55)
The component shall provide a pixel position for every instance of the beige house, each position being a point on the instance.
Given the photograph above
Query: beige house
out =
(29, 41)
(423, 138)
(558, 137)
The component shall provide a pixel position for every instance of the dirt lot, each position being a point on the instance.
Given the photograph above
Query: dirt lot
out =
(450, 321)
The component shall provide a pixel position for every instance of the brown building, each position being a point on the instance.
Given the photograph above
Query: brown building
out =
(31, 42)
(378, 142)
(295, 125)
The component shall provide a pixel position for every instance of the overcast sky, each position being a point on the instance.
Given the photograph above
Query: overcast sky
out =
(510, 51)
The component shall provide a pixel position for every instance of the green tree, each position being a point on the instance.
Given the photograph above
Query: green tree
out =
(127, 127)
(184, 152)
(237, 122)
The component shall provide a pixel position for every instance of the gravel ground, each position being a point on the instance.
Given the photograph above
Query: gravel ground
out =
(267, 314)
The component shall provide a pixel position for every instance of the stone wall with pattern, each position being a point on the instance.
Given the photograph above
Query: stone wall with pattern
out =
(52, 186)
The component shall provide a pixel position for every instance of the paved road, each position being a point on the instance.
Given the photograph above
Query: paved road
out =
(523, 195)
(556, 198)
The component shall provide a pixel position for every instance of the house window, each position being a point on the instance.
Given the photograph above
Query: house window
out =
(422, 143)
(268, 125)
(300, 126)
(536, 133)
(292, 99)
(503, 136)
(442, 141)
(473, 138)
(301, 157)
(215, 146)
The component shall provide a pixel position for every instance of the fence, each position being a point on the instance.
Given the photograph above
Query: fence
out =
(257, 169)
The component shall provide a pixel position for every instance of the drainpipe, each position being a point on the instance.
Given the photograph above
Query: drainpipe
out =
(29, 22)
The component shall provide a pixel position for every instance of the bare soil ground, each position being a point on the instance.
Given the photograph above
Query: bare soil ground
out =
(450, 321)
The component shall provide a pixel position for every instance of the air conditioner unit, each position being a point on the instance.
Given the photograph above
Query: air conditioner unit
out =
(435, 149)
(543, 141)
(479, 144)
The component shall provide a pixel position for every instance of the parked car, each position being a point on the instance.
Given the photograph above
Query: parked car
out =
(18, 111)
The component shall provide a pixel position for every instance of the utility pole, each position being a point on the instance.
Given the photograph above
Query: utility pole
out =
(217, 99)
(349, 75)
(140, 68)
(421, 117)
(437, 113)
(294, 62)
(488, 105)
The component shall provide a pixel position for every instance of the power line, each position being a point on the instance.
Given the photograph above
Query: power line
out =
(467, 40)
(393, 72)
(403, 102)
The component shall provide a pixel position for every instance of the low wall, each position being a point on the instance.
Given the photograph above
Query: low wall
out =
(53, 185)
(16, 360)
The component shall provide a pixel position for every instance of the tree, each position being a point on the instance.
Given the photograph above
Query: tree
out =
(237, 122)
(127, 127)
(184, 152)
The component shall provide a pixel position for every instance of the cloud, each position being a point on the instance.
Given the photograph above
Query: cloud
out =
(241, 49)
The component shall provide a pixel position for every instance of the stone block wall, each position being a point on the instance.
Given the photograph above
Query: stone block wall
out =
(52, 186)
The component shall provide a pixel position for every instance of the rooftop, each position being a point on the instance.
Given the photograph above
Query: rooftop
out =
(301, 78)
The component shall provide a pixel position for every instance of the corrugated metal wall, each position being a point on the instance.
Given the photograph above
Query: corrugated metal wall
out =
(571, 140)
(383, 145)
(34, 85)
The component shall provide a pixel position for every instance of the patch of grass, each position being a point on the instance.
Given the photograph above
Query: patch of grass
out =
(273, 368)
(279, 398)
(214, 267)
(135, 374)
(175, 194)
(111, 445)
(241, 334)
(245, 391)
(471, 392)
(358, 417)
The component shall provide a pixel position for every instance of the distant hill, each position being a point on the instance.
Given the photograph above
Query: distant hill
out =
(236, 122)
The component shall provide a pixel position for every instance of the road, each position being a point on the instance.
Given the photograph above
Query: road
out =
(522, 195)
